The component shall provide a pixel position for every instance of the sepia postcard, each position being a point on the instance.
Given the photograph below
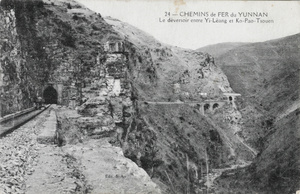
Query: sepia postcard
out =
(149, 96)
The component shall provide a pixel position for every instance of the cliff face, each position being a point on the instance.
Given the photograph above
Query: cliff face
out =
(267, 74)
(42, 48)
(66, 54)
(173, 141)
(159, 69)
(111, 72)
(16, 93)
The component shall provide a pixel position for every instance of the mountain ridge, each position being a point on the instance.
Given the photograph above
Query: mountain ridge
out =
(110, 75)
(267, 75)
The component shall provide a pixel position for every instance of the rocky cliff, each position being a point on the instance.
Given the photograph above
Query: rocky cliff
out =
(16, 93)
(181, 137)
(113, 75)
(42, 41)
(267, 74)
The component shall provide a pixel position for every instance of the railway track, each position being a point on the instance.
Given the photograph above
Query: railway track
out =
(11, 122)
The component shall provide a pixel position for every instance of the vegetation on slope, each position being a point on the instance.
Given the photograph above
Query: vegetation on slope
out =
(267, 75)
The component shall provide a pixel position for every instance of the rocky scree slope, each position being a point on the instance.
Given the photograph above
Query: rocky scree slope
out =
(63, 42)
(181, 135)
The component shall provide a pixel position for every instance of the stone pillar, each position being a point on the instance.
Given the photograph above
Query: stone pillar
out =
(233, 102)
(72, 103)
(211, 106)
(228, 100)
(202, 109)
(59, 93)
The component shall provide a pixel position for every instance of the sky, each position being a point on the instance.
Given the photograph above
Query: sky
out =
(147, 15)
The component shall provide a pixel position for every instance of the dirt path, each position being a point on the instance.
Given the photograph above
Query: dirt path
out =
(94, 166)
(28, 165)
(108, 171)
(53, 173)
(218, 172)
(290, 109)
(253, 151)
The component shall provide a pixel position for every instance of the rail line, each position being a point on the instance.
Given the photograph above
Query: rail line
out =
(11, 122)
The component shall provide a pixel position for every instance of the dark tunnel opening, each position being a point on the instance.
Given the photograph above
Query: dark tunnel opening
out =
(216, 105)
(206, 107)
(50, 95)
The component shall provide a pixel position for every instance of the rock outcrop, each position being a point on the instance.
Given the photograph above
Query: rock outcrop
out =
(267, 76)
(103, 72)
(16, 93)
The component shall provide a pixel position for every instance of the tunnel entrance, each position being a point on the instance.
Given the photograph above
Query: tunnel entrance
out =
(216, 105)
(50, 95)
(206, 107)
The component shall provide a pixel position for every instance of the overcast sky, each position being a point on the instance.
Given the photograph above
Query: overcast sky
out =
(145, 16)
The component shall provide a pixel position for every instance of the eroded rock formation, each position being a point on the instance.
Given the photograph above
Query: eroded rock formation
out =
(106, 71)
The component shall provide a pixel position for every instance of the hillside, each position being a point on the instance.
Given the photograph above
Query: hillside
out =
(121, 93)
(106, 77)
(182, 132)
(168, 65)
(267, 74)
(221, 48)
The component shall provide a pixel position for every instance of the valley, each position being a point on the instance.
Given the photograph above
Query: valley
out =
(131, 114)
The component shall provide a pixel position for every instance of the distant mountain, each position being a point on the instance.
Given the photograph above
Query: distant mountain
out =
(267, 75)
(131, 88)
(266, 72)
(261, 69)
(221, 48)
